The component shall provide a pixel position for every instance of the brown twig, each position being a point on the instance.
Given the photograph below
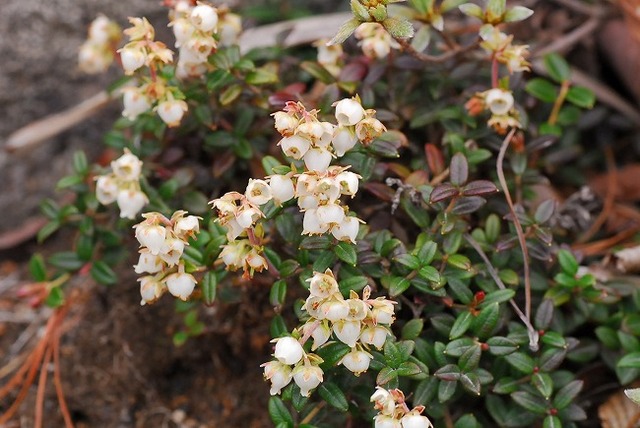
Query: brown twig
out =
(42, 384)
(406, 46)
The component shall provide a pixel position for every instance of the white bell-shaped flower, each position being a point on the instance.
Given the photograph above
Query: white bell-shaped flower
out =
(93, 59)
(317, 159)
(181, 285)
(323, 284)
(131, 202)
(256, 261)
(346, 230)
(279, 374)
(369, 129)
(327, 190)
(320, 332)
(132, 59)
(307, 203)
(386, 421)
(247, 216)
(330, 214)
(285, 123)
(313, 305)
(198, 48)
(233, 254)
(135, 102)
(150, 289)
(347, 331)
(183, 29)
(306, 184)
(358, 309)
(356, 361)
(349, 112)
(127, 167)
(106, 189)
(312, 130)
(414, 419)
(229, 29)
(282, 188)
(99, 30)
(382, 311)
(172, 111)
(384, 401)
(233, 229)
(344, 139)
(172, 251)
(204, 17)
(335, 309)
(376, 47)
(148, 263)
(258, 192)
(307, 377)
(288, 350)
(349, 182)
(295, 146)
(327, 135)
(328, 55)
(151, 236)
(311, 224)
(374, 335)
(186, 226)
(499, 101)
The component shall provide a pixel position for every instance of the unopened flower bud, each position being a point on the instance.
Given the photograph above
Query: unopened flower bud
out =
(295, 146)
(307, 377)
(499, 101)
(181, 285)
(356, 361)
(279, 374)
(106, 189)
(172, 111)
(288, 350)
(131, 202)
(127, 167)
(349, 112)
(319, 331)
(346, 230)
(258, 192)
(344, 139)
(204, 17)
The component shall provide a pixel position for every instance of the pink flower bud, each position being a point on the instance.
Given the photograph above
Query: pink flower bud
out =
(288, 350)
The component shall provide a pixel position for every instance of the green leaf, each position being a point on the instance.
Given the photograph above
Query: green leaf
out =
(209, 286)
(80, 164)
(398, 28)
(446, 389)
(332, 353)
(67, 260)
(37, 268)
(101, 272)
(347, 253)
(55, 298)
(555, 339)
(261, 76)
(521, 362)
(386, 375)
(568, 262)
(430, 273)
(318, 71)
(557, 67)
(566, 395)
(467, 421)
(333, 395)
(345, 31)
(470, 382)
(355, 283)
(408, 368)
(470, 358)
(398, 285)
(230, 94)
(180, 338)
(484, 324)
(392, 354)
(412, 329)
(542, 89)
(425, 391)
(279, 413)
(517, 13)
(461, 325)
(278, 293)
(531, 402)
(497, 296)
(278, 327)
(499, 345)
(552, 422)
(581, 96)
(631, 360)
(457, 347)
(69, 181)
(408, 260)
(608, 337)
(471, 9)
(426, 252)
(543, 383)
(47, 230)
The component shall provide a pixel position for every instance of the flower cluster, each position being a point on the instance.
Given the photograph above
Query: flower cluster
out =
(500, 104)
(375, 41)
(393, 411)
(142, 51)
(97, 52)
(239, 213)
(122, 186)
(498, 44)
(358, 323)
(355, 322)
(194, 28)
(329, 56)
(162, 242)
